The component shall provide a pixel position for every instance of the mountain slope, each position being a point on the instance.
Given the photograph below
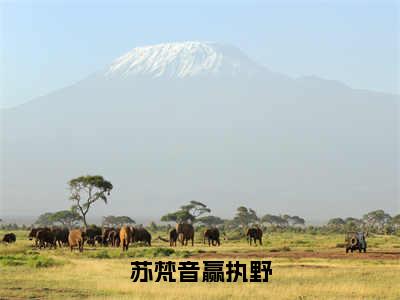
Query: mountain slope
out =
(172, 127)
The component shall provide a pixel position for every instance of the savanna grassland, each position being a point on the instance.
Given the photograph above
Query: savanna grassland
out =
(304, 266)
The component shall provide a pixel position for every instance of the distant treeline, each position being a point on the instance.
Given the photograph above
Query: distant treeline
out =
(198, 214)
(86, 191)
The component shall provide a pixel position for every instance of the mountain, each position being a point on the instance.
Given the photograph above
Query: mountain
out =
(182, 60)
(176, 122)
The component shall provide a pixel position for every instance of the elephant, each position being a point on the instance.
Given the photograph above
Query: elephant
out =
(90, 234)
(104, 236)
(173, 236)
(75, 239)
(61, 235)
(141, 235)
(125, 237)
(185, 233)
(46, 238)
(212, 235)
(113, 238)
(254, 234)
(34, 231)
(99, 240)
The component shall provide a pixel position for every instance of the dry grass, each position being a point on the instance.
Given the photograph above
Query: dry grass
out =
(81, 276)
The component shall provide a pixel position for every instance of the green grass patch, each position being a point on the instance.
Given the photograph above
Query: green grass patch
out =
(42, 262)
(12, 260)
(31, 260)
(150, 252)
(102, 254)
(158, 252)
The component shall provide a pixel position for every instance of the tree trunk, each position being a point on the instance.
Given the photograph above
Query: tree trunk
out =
(84, 220)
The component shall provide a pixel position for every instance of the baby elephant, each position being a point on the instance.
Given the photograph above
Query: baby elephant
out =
(9, 238)
(173, 237)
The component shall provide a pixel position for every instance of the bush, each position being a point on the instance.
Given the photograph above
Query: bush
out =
(236, 236)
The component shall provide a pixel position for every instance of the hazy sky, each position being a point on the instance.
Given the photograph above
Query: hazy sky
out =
(46, 45)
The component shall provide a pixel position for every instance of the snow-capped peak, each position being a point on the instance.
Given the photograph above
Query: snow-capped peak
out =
(181, 60)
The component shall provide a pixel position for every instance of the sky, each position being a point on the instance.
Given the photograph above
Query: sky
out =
(49, 45)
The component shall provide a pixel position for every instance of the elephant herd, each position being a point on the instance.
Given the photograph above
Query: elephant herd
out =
(75, 238)
(185, 232)
(45, 237)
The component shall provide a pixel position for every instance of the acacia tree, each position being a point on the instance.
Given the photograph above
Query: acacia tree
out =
(187, 213)
(115, 221)
(210, 220)
(396, 221)
(336, 223)
(86, 190)
(67, 218)
(294, 220)
(377, 219)
(275, 220)
(245, 216)
(45, 219)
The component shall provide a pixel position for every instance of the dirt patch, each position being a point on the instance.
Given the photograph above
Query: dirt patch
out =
(376, 255)
(305, 266)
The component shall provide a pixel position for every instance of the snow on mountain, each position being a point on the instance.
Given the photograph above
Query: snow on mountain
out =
(182, 60)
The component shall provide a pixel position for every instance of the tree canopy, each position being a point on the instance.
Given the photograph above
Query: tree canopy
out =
(86, 190)
(294, 220)
(336, 222)
(245, 216)
(210, 220)
(187, 213)
(376, 219)
(45, 219)
(115, 221)
(275, 220)
(65, 218)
